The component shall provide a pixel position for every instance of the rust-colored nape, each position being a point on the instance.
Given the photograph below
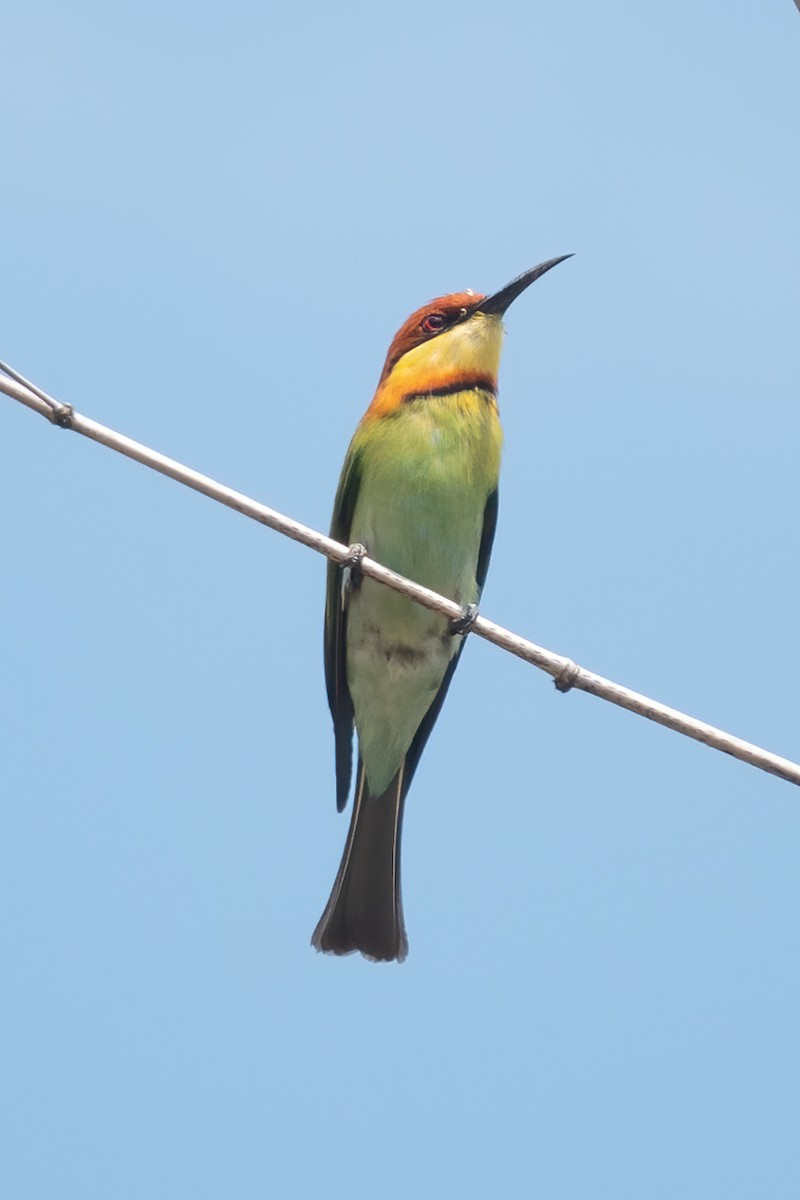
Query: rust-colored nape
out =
(428, 322)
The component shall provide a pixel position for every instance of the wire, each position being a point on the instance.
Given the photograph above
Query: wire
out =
(566, 674)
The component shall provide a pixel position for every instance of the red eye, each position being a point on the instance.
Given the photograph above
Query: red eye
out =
(434, 322)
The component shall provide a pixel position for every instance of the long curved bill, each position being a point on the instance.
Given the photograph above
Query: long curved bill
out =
(497, 304)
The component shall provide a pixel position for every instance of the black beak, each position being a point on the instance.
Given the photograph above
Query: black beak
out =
(497, 304)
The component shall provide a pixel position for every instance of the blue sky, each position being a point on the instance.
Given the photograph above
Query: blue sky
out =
(213, 222)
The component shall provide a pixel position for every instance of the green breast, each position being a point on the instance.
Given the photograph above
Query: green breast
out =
(426, 474)
(424, 479)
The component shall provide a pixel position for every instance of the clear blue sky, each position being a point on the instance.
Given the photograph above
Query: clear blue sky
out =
(213, 221)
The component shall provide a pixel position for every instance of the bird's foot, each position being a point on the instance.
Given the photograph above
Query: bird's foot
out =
(355, 554)
(464, 622)
(567, 677)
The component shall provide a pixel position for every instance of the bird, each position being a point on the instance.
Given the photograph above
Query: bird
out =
(418, 492)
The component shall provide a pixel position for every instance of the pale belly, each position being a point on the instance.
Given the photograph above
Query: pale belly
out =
(397, 651)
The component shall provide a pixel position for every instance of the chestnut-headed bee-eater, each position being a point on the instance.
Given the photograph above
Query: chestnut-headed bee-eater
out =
(418, 490)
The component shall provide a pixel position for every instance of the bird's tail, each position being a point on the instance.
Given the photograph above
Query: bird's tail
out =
(365, 910)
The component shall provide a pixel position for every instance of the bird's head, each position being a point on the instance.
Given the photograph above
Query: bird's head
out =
(452, 339)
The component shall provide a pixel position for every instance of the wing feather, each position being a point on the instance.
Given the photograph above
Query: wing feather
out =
(339, 698)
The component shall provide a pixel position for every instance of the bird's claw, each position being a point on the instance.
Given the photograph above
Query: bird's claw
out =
(567, 677)
(352, 563)
(464, 622)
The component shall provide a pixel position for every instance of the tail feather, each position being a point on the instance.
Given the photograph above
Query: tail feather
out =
(365, 909)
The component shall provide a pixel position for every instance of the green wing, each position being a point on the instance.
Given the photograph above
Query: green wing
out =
(339, 698)
(487, 539)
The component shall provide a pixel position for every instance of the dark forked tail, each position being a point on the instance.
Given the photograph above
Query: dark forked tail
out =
(365, 910)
